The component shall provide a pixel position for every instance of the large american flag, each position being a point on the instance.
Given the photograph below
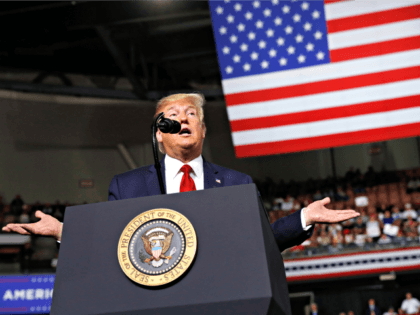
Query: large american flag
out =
(304, 75)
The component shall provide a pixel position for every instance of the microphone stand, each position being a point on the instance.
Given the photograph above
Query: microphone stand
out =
(155, 153)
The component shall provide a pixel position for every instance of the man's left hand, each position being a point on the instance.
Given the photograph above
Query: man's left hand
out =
(316, 212)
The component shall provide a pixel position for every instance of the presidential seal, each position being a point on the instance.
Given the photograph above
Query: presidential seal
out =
(157, 247)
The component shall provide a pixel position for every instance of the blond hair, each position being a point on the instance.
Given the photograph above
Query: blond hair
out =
(197, 99)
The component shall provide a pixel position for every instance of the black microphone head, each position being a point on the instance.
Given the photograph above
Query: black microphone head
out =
(169, 126)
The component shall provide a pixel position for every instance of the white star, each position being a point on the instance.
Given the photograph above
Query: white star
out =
(241, 27)
(219, 10)
(230, 18)
(277, 21)
(309, 47)
(244, 47)
(223, 30)
(320, 55)
(254, 55)
(256, 4)
(315, 14)
(259, 24)
(233, 38)
(286, 9)
(226, 50)
(264, 64)
(227, 1)
(318, 35)
(280, 41)
(247, 67)
(267, 12)
(275, 2)
(283, 61)
(262, 44)
(248, 16)
(238, 7)
(272, 53)
(296, 18)
(251, 36)
(301, 58)
(299, 38)
(291, 50)
(270, 32)
(236, 58)
(307, 26)
(305, 6)
(288, 29)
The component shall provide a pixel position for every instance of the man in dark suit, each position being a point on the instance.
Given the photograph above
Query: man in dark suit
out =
(184, 169)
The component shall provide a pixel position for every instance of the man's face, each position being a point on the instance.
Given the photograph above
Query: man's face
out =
(408, 296)
(192, 133)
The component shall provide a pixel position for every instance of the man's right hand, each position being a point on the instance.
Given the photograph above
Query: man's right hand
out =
(47, 226)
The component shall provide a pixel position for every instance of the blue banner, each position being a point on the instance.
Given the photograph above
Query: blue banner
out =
(26, 294)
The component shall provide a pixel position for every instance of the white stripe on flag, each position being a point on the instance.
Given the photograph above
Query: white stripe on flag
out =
(322, 72)
(327, 127)
(345, 9)
(325, 100)
(374, 34)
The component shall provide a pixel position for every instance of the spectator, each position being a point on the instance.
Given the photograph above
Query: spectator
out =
(410, 228)
(287, 203)
(318, 195)
(314, 309)
(384, 239)
(410, 305)
(350, 313)
(373, 229)
(372, 308)
(401, 312)
(396, 214)
(323, 239)
(409, 212)
(16, 205)
(48, 209)
(387, 219)
(24, 217)
(390, 312)
(341, 195)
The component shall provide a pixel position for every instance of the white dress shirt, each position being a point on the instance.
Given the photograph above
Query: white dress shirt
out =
(173, 174)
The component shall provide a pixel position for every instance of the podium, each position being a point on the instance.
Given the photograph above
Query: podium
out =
(238, 268)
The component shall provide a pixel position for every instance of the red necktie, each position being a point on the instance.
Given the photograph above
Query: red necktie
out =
(187, 183)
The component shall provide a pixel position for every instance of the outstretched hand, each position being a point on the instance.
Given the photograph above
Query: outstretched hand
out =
(316, 212)
(47, 226)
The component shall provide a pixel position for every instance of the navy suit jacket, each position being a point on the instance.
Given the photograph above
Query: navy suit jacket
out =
(143, 182)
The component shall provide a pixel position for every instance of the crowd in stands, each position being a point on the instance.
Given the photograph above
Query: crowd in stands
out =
(409, 306)
(20, 212)
(388, 201)
(389, 204)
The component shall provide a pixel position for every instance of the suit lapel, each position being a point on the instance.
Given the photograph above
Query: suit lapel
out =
(152, 179)
(211, 177)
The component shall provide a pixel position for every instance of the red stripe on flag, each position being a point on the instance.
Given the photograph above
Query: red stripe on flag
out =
(333, 1)
(328, 141)
(325, 113)
(372, 19)
(375, 49)
(322, 86)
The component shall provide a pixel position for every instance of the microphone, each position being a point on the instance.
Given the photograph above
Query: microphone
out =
(166, 125)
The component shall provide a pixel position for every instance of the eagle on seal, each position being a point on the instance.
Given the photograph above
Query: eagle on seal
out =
(157, 241)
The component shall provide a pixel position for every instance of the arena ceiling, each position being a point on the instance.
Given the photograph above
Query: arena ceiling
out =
(159, 46)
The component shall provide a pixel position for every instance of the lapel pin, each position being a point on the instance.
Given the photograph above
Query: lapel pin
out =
(218, 181)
